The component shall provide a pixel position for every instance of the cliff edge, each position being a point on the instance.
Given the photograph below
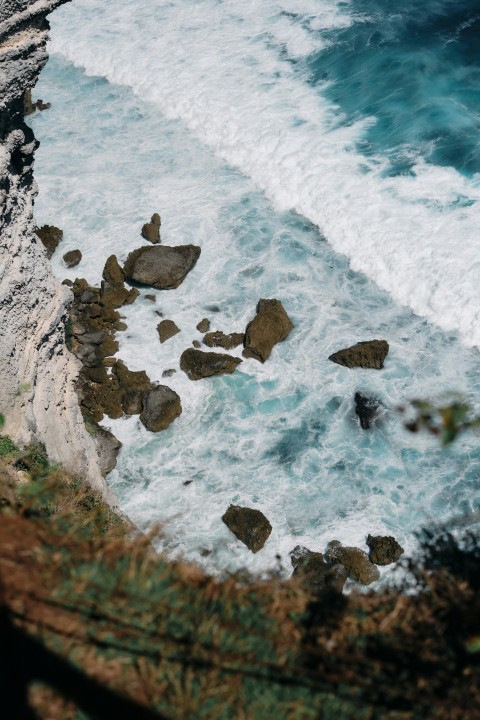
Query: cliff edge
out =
(37, 372)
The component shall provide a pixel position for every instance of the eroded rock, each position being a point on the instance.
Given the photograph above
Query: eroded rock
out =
(384, 549)
(248, 525)
(151, 230)
(51, 237)
(366, 409)
(133, 386)
(161, 406)
(367, 354)
(108, 447)
(270, 326)
(219, 339)
(113, 290)
(354, 560)
(161, 266)
(315, 572)
(198, 364)
(204, 325)
(166, 330)
(72, 258)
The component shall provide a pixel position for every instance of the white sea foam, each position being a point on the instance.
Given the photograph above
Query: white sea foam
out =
(281, 436)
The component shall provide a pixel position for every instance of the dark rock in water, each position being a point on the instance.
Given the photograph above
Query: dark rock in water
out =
(249, 526)
(151, 230)
(204, 325)
(108, 447)
(72, 258)
(169, 372)
(113, 291)
(196, 344)
(384, 549)
(219, 339)
(366, 408)
(67, 282)
(161, 266)
(152, 298)
(270, 326)
(315, 572)
(161, 406)
(166, 330)
(29, 106)
(197, 364)
(50, 236)
(133, 385)
(354, 560)
(368, 354)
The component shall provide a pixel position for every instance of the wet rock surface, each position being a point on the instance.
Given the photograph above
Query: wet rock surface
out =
(51, 237)
(204, 325)
(72, 258)
(355, 561)
(270, 326)
(384, 549)
(217, 338)
(198, 364)
(166, 330)
(161, 266)
(366, 409)
(315, 572)
(248, 525)
(113, 289)
(161, 406)
(151, 230)
(367, 354)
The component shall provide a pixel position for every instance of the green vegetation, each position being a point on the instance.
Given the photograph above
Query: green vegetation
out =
(7, 446)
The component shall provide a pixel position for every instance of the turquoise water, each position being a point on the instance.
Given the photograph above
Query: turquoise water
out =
(282, 436)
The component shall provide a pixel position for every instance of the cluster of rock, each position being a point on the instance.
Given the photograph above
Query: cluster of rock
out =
(51, 237)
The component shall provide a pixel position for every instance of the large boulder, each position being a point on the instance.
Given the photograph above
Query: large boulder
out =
(249, 526)
(133, 387)
(354, 560)
(314, 572)
(204, 325)
(50, 236)
(161, 266)
(108, 447)
(366, 409)
(72, 258)
(217, 338)
(114, 292)
(367, 354)
(197, 364)
(270, 326)
(384, 549)
(166, 330)
(151, 230)
(161, 405)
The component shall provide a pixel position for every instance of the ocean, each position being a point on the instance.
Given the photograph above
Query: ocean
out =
(323, 153)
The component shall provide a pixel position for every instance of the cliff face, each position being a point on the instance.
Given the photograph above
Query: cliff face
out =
(37, 373)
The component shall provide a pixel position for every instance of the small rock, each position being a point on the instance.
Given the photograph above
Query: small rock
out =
(67, 282)
(367, 354)
(161, 266)
(315, 572)
(354, 560)
(134, 386)
(270, 326)
(219, 339)
(384, 549)
(151, 230)
(50, 236)
(249, 526)
(169, 372)
(196, 344)
(72, 258)
(160, 408)
(152, 298)
(366, 408)
(121, 326)
(204, 325)
(166, 330)
(197, 364)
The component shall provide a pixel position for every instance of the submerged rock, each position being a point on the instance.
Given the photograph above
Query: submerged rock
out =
(161, 266)
(166, 330)
(249, 526)
(72, 258)
(151, 230)
(366, 409)
(51, 237)
(384, 549)
(367, 354)
(219, 339)
(315, 572)
(270, 326)
(197, 364)
(161, 406)
(354, 560)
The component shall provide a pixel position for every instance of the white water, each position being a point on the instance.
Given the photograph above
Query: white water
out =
(282, 436)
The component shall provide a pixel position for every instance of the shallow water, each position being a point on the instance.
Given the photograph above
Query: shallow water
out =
(282, 436)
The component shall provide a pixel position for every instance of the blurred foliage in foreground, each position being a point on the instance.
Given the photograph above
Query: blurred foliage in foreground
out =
(190, 646)
(446, 421)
